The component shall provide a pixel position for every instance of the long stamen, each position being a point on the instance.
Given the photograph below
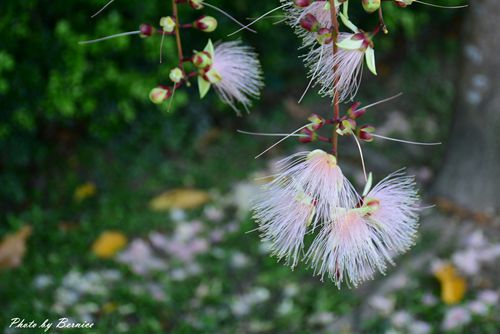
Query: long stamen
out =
(161, 47)
(263, 134)
(438, 6)
(259, 18)
(405, 141)
(103, 8)
(282, 140)
(362, 157)
(382, 101)
(137, 32)
(312, 78)
(228, 16)
(171, 100)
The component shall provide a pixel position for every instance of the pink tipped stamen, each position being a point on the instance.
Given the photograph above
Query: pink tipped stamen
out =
(361, 156)
(382, 101)
(313, 77)
(259, 18)
(161, 47)
(229, 16)
(406, 141)
(438, 6)
(102, 9)
(171, 99)
(282, 140)
(137, 32)
(270, 134)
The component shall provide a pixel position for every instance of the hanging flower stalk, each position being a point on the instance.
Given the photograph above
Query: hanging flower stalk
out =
(231, 68)
(356, 234)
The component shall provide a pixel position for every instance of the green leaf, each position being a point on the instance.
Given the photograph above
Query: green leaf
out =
(369, 184)
(203, 86)
(351, 44)
(370, 60)
(210, 48)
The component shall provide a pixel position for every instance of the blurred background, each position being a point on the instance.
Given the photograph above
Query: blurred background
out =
(135, 217)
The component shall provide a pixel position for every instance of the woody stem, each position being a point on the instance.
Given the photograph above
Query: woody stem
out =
(336, 107)
(178, 34)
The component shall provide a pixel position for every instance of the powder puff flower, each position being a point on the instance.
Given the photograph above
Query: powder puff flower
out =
(348, 249)
(394, 211)
(348, 62)
(309, 187)
(358, 242)
(319, 9)
(234, 71)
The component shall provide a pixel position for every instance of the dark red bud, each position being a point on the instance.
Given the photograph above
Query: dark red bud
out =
(146, 30)
(311, 136)
(324, 36)
(317, 122)
(302, 3)
(365, 132)
(353, 111)
(310, 23)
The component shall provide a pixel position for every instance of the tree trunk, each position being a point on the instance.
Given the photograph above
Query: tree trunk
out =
(470, 176)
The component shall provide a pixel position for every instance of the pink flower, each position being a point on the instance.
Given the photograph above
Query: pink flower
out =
(284, 218)
(309, 188)
(319, 9)
(239, 74)
(349, 249)
(348, 61)
(394, 211)
(317, 175)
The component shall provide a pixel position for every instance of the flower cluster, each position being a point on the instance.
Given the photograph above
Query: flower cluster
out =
(233, 69)
(358, 234)
(354, 235)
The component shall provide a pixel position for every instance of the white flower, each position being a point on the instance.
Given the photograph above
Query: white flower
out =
(456, 317)
(489, 297)
(478, 307)
(235, 73)
(382, 304)
(401, 319)
(419, 327)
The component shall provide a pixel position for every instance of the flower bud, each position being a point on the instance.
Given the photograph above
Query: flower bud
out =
(371, 6)
(146, 30)
(324, 36)
(310, 136)
(202, 59)
(403, 3)
(310, 23)
(206, 24)
(167, 23)
(353, 111)
(196, 4)
(364, 133)
(316, 122)
(302, 3)
(160, 94)
(347, 126)
(176, 75)
(212, 76)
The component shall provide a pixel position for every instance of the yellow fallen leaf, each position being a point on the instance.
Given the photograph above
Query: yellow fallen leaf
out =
(453, 290)
(13, 248)
(453, 286)
(179, 199)
(108, 244)
(445, 272)
(85, 191)
(109, 307)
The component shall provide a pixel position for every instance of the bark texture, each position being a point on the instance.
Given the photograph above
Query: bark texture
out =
(470, 176)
